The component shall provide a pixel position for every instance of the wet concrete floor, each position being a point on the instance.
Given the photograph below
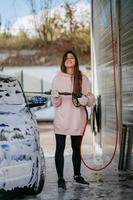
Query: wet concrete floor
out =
(109, 184)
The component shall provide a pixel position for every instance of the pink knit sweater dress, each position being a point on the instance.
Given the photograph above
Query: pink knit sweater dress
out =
(70, 120)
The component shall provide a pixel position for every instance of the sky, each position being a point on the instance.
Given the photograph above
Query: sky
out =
(10, 10)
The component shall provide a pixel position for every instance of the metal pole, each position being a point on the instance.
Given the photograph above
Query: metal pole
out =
(119, 68)
(129, 151)
(42, 86)
(22, 78)
(121, 165)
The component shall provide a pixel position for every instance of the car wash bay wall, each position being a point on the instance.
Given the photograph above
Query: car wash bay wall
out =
(126, 64)
(122, 18)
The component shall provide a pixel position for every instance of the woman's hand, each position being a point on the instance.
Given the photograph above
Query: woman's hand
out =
(55, 94)
(83, 100)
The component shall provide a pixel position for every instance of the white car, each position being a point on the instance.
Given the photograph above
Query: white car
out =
(45, 113)
(22, 163)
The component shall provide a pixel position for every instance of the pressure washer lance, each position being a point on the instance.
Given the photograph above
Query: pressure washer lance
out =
(75, 95)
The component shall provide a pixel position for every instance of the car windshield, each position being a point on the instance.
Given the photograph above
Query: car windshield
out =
(10, 92)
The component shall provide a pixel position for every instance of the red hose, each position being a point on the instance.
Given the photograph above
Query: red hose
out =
(115, 96)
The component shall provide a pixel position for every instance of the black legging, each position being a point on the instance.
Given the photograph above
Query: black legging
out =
(59, 153)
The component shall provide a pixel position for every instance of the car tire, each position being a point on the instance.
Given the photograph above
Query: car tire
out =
(38, 187)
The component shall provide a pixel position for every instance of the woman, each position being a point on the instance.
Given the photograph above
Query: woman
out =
(70, 119)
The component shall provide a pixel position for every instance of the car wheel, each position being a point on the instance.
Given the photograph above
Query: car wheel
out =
(38, 185)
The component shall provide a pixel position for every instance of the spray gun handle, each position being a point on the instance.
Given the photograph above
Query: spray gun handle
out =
(76, 95)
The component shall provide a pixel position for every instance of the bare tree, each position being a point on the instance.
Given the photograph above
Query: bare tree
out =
(69, 14)
(33, 8)
(56, 26)
(7, 29)
(43, 25)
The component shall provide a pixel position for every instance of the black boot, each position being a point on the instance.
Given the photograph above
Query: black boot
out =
(61, 183)
(80, 179)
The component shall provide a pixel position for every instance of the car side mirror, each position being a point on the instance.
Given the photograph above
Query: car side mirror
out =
(37, 101)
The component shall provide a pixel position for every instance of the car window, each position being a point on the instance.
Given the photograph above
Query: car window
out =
(10, 92)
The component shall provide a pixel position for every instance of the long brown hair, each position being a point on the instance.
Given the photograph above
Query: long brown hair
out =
(77, 84)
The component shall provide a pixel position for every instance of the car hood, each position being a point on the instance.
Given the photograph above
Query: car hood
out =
(16, 122)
